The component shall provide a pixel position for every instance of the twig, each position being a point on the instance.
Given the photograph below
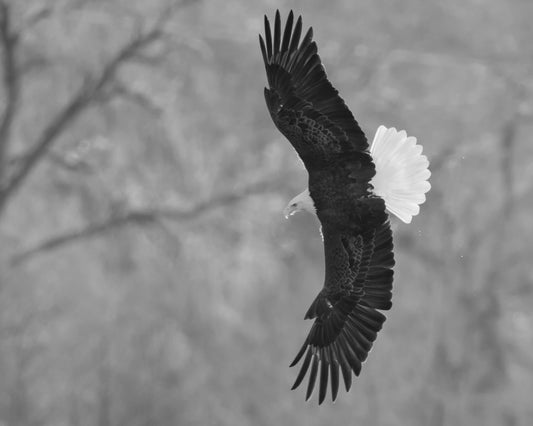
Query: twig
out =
(8, 42)
(73, 164)
(83, 233)
(36, 18)
(143, 217)
(81, 101)
(120, 89)
(508, 137)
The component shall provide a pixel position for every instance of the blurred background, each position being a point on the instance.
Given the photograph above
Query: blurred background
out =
(147, 275)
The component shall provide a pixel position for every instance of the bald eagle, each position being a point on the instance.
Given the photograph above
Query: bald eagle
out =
(351, 189)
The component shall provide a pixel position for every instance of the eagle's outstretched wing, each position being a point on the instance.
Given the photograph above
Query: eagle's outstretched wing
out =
(304, 105)
(358, 281)
(357, 237)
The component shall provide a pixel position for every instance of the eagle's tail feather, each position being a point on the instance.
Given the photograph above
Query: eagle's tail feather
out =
(402, 172)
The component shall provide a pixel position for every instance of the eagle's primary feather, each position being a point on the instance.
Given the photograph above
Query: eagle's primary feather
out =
(302, 102)
(358, 246)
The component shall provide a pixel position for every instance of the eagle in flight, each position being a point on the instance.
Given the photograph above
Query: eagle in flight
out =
(352, 187)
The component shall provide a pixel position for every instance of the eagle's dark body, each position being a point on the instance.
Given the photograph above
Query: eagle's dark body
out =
(357, 237)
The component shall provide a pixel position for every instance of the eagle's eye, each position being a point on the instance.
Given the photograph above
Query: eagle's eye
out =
(294, 204)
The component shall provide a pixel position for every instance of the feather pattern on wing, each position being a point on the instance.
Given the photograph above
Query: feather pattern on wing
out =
(358, 282)
(307, 109)
(304, 105)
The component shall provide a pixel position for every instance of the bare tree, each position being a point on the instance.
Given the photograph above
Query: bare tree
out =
(147, 216)
(101, 87)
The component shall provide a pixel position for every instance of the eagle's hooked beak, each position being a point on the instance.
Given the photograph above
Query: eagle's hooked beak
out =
(290, 210)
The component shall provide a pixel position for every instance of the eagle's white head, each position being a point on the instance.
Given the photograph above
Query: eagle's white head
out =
(302, 201)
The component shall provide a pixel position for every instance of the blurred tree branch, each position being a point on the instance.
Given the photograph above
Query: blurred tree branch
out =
(119, 89)
(145, 216)
(93, 89)
(70, 163)
(8, 41)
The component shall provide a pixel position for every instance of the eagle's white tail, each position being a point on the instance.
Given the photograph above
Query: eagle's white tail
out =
(401, 172)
